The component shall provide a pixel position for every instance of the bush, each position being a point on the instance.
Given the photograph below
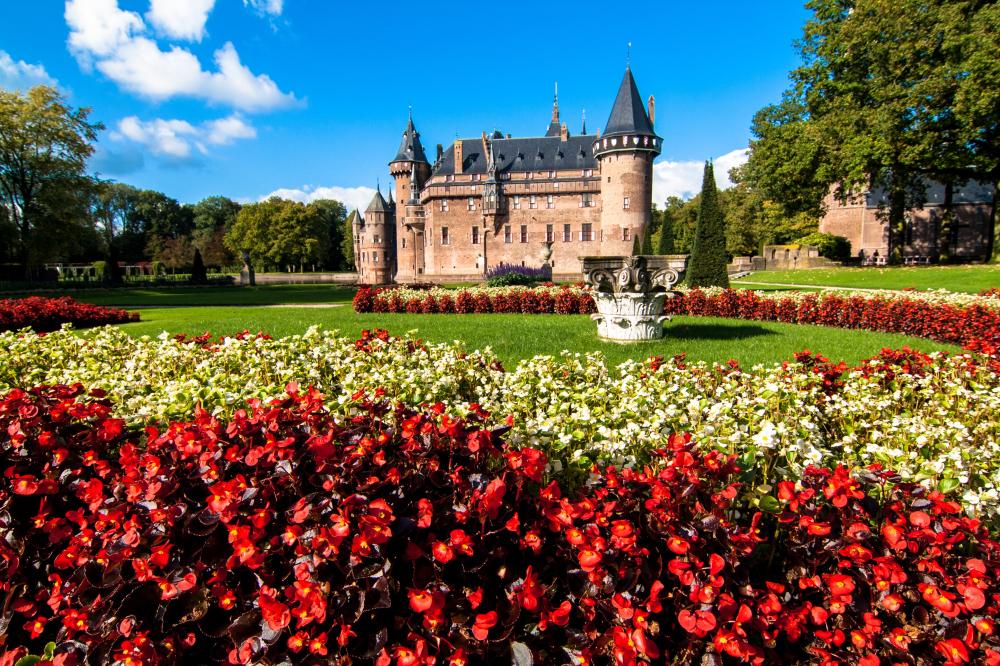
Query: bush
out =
(510, 275)
(830, 246)
(286, 534)
(49, 314)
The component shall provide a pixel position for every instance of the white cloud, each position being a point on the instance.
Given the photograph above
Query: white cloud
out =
(99, 27)
(179, 140)
(683, 179)
(100, 30)
(271, 7)
(20, 75)
(352, 197)
(180, 19)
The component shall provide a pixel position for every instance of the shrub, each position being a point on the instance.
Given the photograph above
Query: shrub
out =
(285, 534)
(49, 314)
(510, 275)
(830, 246)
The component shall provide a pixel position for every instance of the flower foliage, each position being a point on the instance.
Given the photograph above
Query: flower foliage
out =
(49, 314)
(511, 300)
(285, 534)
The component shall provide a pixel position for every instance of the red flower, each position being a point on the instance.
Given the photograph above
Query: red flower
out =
(484, 623)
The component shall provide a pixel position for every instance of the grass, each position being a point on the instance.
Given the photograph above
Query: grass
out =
(216, 296)
(517, 337)
(970, 279)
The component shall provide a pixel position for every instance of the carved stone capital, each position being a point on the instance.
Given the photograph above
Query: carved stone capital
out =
(643, 274)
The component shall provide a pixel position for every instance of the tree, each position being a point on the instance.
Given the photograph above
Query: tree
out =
(333, 213)
(175, 253)
(164, 219)
(665, 239)
(636, 246)
(198, 273)
(278, 233)
(347, 243)
(708, 256)
(44, 145)
(211, 218)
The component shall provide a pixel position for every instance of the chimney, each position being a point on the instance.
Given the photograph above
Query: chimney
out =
(563, 132)
(486, 149)
(598, 132)
(458, 156)
(652, 110)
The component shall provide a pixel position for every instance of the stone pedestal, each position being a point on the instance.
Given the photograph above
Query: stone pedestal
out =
(630, 292)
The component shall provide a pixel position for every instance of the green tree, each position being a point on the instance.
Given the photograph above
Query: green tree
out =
(164, 219)
(665, 239)
(211, 218)
(347, 243)
(708, 256)
(278, 234)
(44, 148)
(333, 214)
(198, 273)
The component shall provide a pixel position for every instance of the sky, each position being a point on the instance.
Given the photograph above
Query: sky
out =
(309, 99)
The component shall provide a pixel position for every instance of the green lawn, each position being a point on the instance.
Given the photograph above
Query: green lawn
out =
(969, 279)
(176, 296)
(516, 337)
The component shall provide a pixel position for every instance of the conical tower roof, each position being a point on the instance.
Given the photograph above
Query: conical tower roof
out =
(628, 115)
(410, 149)
(378, 204)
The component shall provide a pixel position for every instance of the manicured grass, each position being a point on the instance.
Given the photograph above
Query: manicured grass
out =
(969, 279)
(221, 296)
(516, 337)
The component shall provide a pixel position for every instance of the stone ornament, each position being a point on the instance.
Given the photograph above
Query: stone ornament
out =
(629, 293)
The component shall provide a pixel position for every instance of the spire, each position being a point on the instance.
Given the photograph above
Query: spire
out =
(628, 115)
(583, 130)
(554, 127)
(378, 204)
(410, 148)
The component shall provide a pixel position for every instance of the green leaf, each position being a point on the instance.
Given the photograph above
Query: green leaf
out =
(948, 485)
(769, 503)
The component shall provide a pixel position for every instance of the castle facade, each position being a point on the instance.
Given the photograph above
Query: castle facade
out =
(530, 201)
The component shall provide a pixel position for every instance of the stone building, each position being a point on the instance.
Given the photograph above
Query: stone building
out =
(525, 201)
(861, 220)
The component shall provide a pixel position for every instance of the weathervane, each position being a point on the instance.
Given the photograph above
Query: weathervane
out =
(628, 55)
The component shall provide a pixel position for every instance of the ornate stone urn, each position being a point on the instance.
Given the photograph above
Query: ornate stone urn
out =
(630, 292)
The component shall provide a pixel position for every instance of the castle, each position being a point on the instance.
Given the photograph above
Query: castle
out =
(524, 201)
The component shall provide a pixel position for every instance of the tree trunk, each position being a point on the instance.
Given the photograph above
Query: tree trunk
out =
(945, 226)
(993, 229)
(897, 224)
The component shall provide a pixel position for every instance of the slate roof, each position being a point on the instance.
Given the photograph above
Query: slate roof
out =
(972, 192)
(548, 153)
(355, 218)
(628, 115)
(378, 204)
(410, 149)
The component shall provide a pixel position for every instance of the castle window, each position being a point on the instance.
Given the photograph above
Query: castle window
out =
(404, 242)
(377, 239)
(475, 235)
(531, 174)
(550, 201)
(451, 177)
(375, 257)
(475, 177)
(472, 203)
(444, 205)
(587, 233)
(550, 235)
(556, 185)
(567, 233)
(586, 200)
(444, 236)
(532, 203)
(625, 204)
(507, 236)
(552, 174)
(626, 234)
(524, 233)
(517, 202)
(587, 173)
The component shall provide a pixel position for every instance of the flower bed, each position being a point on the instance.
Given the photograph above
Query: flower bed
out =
(410, 537)
(48, 314)
(962, 319)
(932, 418)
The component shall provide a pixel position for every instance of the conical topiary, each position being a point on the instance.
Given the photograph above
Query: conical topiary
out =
(636, 247)
(198, 273)
(665, 239)
(707, 267)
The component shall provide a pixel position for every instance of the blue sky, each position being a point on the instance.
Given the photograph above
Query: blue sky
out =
(245, 98)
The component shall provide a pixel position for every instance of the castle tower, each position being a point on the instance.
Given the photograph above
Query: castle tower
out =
(410, 170)
(625, 153)
(374, 250)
